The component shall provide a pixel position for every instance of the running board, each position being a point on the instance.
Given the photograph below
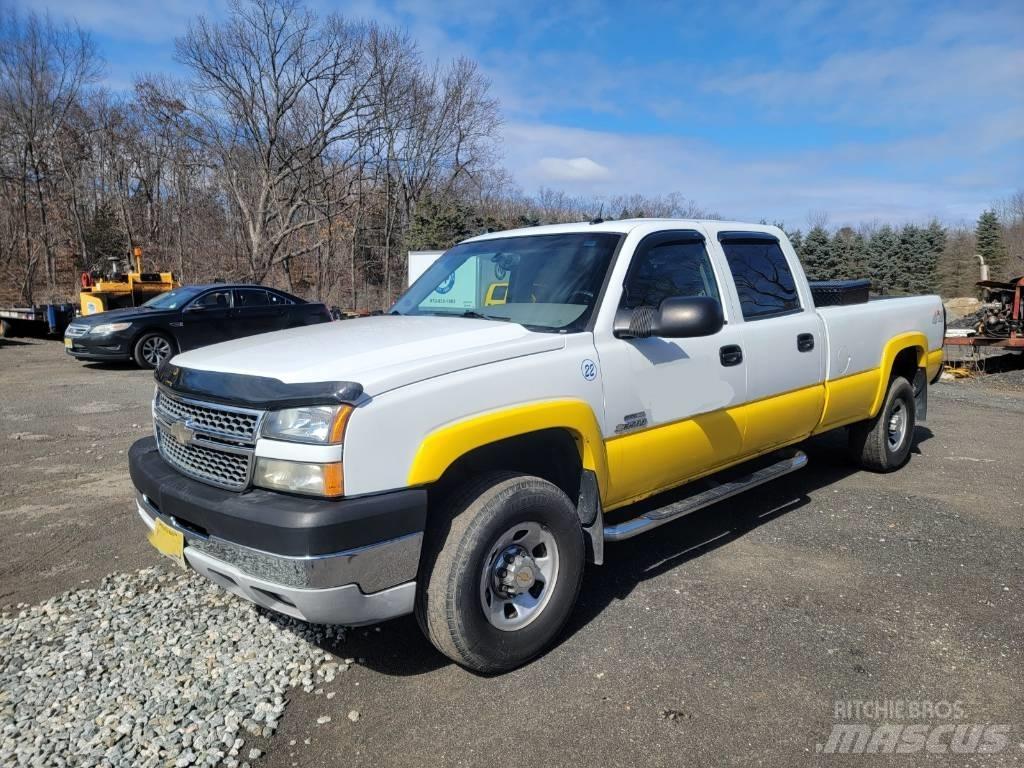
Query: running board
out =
(712, 493)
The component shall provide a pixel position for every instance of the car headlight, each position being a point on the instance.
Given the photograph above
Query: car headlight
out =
(104, 329)
(317, 424)
(299, 477)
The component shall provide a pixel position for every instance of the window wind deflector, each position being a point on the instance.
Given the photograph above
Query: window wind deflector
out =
(746, 237)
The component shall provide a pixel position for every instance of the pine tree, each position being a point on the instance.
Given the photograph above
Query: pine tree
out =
(989, 236)
(850, 253)
(796, 239)
(926, 279)
(882, 259)
(816, 255)
(910, 259)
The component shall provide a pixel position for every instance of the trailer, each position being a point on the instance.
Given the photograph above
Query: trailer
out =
(40, 320)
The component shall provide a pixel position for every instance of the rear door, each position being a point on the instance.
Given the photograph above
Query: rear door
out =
(206, 319)
(673, 404)
(254, 313)
(288, 313)
(782, 338)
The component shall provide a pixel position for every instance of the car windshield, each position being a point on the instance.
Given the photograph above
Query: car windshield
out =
(172, 299)
(544, 282)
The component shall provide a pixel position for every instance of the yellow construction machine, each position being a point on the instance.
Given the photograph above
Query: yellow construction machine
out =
(118, 290)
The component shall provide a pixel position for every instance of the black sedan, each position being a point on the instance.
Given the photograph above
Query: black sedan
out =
(186, 318)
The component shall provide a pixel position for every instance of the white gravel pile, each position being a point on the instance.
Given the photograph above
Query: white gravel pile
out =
(149, 669)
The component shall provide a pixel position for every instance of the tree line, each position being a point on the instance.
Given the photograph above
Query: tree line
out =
(918, 259)
(311, 152)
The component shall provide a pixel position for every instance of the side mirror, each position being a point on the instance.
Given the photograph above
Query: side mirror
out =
(678, 317)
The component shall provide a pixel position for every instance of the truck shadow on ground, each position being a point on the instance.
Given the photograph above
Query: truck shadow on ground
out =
(398, 648)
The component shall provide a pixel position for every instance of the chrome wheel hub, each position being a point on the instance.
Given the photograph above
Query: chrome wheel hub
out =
(155, 349)
(518, 576)
(897, 428)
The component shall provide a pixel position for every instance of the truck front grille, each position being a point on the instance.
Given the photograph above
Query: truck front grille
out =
(211, 443)
(217, 467)
(218, 419)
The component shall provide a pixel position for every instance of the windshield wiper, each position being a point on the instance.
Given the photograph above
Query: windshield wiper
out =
(477, 316)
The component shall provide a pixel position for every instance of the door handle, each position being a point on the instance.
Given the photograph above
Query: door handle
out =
(805, 342)
(730, 354)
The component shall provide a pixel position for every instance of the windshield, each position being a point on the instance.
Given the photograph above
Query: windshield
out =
(546, 282)
(172, 299)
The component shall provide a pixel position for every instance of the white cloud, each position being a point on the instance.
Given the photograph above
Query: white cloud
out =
(578, 169)
(749, 186)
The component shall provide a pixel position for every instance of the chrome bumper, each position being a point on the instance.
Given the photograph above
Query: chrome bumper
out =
(358, 586)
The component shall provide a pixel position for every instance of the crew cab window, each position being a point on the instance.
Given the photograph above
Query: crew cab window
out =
(667, 270)
(214, 299)
(250, 297)
(762, 275)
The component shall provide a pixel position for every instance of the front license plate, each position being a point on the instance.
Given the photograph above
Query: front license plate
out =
(168, 541)
(67, 343)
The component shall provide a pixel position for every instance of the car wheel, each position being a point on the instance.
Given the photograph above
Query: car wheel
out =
(152, 348)
(500, 574)
(883, 443)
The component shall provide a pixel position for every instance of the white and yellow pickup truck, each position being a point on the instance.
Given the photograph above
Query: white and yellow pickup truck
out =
(459, 458)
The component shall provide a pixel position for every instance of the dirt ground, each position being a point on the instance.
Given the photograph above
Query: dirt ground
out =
(728, 638)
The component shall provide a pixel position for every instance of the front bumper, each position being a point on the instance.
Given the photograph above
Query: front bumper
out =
(351, 561)
(112, 347)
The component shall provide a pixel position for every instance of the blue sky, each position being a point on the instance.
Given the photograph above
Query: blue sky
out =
(868, 111)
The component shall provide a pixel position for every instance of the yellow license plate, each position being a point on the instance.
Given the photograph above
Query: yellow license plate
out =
(167, 541)
(67, 343)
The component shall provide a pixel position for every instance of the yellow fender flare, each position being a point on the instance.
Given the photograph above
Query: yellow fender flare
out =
(913, 340)
(442, 447)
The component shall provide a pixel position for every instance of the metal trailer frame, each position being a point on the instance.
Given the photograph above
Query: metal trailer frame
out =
(1012, 343)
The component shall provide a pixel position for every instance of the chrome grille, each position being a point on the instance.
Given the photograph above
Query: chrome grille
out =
(206, 441)
(217, 467)
(219, 420)
(75, 331)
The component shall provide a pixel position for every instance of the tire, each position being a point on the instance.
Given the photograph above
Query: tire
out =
(883, 444)
(146, 348)
(459, 606)
(7, 329)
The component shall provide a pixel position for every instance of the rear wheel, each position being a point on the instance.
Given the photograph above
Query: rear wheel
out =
(500, 575)
(152, 348)
(7, 329)
(883, 443)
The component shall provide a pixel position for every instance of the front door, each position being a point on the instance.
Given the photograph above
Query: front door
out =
(673, 404)
(205, 320)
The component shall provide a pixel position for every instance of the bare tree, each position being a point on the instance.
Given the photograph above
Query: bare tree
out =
(273, 89)
(44, 68)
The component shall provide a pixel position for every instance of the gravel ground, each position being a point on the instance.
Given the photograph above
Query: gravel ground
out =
(119, 675)
(727, 639)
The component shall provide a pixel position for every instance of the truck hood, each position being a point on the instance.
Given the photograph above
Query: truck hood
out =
(381, 353)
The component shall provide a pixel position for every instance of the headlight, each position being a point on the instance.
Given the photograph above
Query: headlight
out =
(104, 329)
(299, 477)
(319, 424)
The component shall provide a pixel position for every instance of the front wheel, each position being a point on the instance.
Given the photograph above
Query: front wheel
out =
(500, 575)
(151, 349)
(883, 443)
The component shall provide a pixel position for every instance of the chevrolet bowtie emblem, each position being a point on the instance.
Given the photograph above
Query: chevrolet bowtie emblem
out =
(181, 432)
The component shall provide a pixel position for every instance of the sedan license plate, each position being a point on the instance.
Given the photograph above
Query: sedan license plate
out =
(68, 343)
(168, 541)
